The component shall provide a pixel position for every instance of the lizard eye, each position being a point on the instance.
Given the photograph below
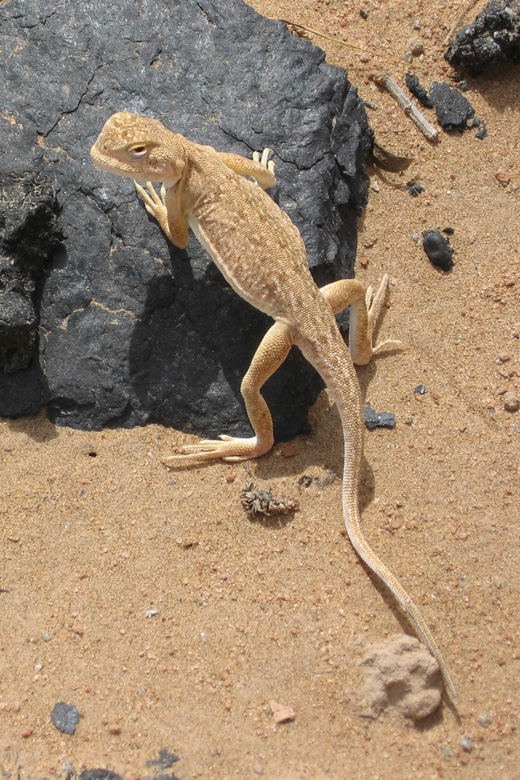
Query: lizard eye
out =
(138, 150)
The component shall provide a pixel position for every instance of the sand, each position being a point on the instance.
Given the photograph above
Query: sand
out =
(150, 601)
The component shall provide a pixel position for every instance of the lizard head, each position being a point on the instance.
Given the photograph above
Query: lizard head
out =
(137, 147)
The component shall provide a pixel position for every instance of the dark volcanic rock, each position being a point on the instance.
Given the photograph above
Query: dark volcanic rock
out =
(452, 108)
(438, 249)
(492, 39)
(65, 717)
(131, 329)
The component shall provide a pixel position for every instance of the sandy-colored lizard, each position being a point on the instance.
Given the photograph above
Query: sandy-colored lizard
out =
(261, 254)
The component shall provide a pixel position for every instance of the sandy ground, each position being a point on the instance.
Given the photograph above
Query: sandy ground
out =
(95, 531)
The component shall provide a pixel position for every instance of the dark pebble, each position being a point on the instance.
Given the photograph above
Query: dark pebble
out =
(65, 717)
(374, 419)
(438, 250)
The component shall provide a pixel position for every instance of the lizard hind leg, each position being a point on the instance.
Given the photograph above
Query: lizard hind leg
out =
(271, 353)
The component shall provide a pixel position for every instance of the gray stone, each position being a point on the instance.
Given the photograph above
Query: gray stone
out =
(65, 717)
(130, 329)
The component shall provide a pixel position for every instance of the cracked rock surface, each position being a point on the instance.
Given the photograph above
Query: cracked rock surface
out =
(125, 328)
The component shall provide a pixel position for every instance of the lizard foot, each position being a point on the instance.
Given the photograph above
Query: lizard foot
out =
(374, 306)
(225, 448)
(154, 203)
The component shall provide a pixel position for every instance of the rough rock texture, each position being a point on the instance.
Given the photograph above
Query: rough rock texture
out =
(452, 108)
(490, 40)
(130, 329)
(401, 672)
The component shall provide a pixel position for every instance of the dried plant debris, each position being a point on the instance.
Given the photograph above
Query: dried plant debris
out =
(438, 249)
(262, 502)
(375, 419)
(306, 480)
(492, 39)
(386, 160)
(402, 673)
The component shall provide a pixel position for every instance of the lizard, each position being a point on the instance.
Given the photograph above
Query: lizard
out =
(260, 252)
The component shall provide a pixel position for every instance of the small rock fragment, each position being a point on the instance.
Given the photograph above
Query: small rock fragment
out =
(65, 717)
(485, 720)
(438, 249)
(418, 91)
(420, 389)
(452, 108)
(511, 402)
(466, 744)
(414, 188)
(281, 713)
(375, 419)
(401, 673)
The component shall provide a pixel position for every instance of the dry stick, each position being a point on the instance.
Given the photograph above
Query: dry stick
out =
(406, 104)
(458, 20)
(338, 41)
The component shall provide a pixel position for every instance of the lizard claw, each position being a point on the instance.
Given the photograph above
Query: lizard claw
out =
(264, 160)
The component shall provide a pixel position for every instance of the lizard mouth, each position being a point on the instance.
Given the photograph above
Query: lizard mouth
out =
(106, 163)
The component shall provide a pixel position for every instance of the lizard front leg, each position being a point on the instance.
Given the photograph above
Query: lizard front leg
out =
(259, 168)
(166, 210)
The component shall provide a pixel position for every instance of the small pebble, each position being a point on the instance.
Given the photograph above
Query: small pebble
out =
(438, 250)
(416, 47)
(420, 389)
(46, 637)
(511, 402)
(466, 744)
(485, 720)
(415, 236)
(375, 419)
(65, 717)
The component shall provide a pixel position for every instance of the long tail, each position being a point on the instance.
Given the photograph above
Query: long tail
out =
(352, 520)
(332, 360)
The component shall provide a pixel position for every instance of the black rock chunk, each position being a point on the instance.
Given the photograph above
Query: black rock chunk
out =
(65, 717)
(452, 108)
(492, 39)
(132, 330)
(438, 249)
(414, 188)
(99, 774)
(375, 419)
(418, 91)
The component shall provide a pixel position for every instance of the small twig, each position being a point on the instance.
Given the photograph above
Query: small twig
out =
(456, 24)
(348, 45)
(406, 104)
